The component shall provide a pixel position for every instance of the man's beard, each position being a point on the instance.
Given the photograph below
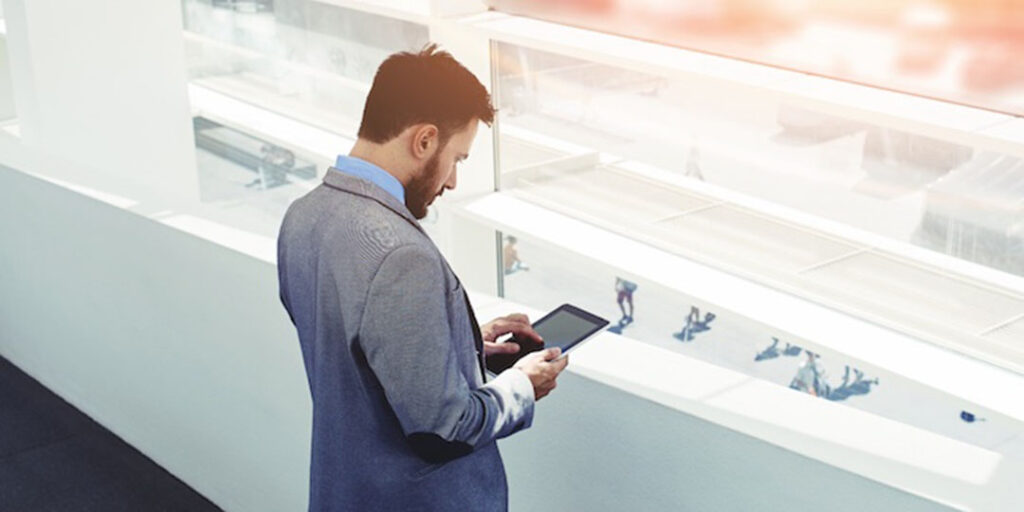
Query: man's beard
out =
(421, 189)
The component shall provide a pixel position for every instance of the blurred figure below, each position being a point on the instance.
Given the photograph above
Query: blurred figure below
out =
(624, 294)
(694, 324)
(510, 257)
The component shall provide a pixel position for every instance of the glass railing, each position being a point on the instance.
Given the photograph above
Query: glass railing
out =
(919, 234)
(277, 91)
(307, 60)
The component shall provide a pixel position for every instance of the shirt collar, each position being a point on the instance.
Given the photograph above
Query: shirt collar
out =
(362, 169)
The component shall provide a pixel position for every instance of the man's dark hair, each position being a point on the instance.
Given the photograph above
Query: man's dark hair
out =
(425, 87)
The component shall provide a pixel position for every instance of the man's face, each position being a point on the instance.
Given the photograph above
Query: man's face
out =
(439, 172)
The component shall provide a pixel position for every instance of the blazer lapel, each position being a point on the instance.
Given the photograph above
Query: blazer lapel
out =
(478, 339)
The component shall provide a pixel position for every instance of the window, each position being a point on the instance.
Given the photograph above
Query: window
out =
(304, 59)
(894, 226)
(954, 50)
(658, 156)
(277, 90)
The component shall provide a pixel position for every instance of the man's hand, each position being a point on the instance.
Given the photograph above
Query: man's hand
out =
(517, 323)
(542, 368)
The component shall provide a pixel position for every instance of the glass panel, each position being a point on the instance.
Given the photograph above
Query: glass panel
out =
(278, 88)
(304, 59)
(921, 234)
(958, 50)
(252, 179)
(938, 194)
(977, 213)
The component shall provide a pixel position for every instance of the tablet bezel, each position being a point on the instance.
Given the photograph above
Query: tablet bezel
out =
(599, 323)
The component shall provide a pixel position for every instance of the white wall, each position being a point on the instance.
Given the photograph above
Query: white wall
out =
(180, 347)
(177, 345)
(596, 448)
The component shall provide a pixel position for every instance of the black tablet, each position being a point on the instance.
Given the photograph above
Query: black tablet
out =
(566, 327)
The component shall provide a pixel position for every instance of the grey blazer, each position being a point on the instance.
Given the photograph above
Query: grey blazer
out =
(402, 416)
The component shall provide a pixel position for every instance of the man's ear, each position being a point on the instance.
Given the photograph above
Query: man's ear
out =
(424, 140)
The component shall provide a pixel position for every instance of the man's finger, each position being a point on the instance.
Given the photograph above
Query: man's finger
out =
(525, 332)
(561, 363)
(503, 326)
(518, 317)
(508, 347)
(520, 330)
(552, 353)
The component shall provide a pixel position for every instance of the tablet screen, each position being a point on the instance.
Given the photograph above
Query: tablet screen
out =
(564, 327)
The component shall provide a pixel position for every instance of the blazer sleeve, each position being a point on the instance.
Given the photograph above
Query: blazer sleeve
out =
(405, 336)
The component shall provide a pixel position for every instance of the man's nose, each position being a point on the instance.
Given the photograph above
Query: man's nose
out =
(450, 184)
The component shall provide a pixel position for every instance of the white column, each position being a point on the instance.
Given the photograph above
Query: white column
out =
(470, 247)
(102, 84)
(6, 94)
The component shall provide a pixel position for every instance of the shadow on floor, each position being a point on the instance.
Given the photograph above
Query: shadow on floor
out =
(54, 458)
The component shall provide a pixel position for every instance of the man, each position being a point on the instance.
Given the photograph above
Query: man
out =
(510, 257)
(403, 415)
(624, 293)
(810, 377)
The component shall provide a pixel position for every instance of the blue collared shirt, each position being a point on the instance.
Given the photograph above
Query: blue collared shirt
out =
(362, 169)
